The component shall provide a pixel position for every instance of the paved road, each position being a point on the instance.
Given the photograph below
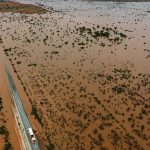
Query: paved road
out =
(25, 124)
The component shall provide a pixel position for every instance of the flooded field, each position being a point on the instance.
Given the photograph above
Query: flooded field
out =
(84, 68)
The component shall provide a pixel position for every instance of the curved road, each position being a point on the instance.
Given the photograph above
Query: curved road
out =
(28, 145)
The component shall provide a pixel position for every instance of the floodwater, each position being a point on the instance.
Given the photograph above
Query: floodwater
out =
(7, 114)
(90, 92)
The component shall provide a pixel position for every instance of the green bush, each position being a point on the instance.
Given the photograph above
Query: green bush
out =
(7, 146)
(2, 130)
(50, 146)
(36, 115)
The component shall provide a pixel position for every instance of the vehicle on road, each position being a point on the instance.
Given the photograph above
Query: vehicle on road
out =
(31, 134)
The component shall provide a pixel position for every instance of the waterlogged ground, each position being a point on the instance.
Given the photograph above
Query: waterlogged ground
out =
(86, 73)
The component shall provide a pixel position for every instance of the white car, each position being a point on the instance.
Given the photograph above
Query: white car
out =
(32, 136)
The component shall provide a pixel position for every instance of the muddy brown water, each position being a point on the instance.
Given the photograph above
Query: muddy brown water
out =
(71, 87)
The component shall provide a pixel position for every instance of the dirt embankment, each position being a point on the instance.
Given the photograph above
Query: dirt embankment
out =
(15, 7)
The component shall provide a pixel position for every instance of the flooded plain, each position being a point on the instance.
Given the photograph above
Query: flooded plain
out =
(84, 68)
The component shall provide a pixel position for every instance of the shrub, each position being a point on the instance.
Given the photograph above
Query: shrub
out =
(50, 146)
(36, 115)
(7, 146)
(123, 35)
(101, 33)
(119, 89)
(2, 130)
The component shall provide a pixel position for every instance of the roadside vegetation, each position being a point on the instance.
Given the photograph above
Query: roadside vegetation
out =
(4, 133)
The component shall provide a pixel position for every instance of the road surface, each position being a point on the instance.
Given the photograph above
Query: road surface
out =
(21, 115)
